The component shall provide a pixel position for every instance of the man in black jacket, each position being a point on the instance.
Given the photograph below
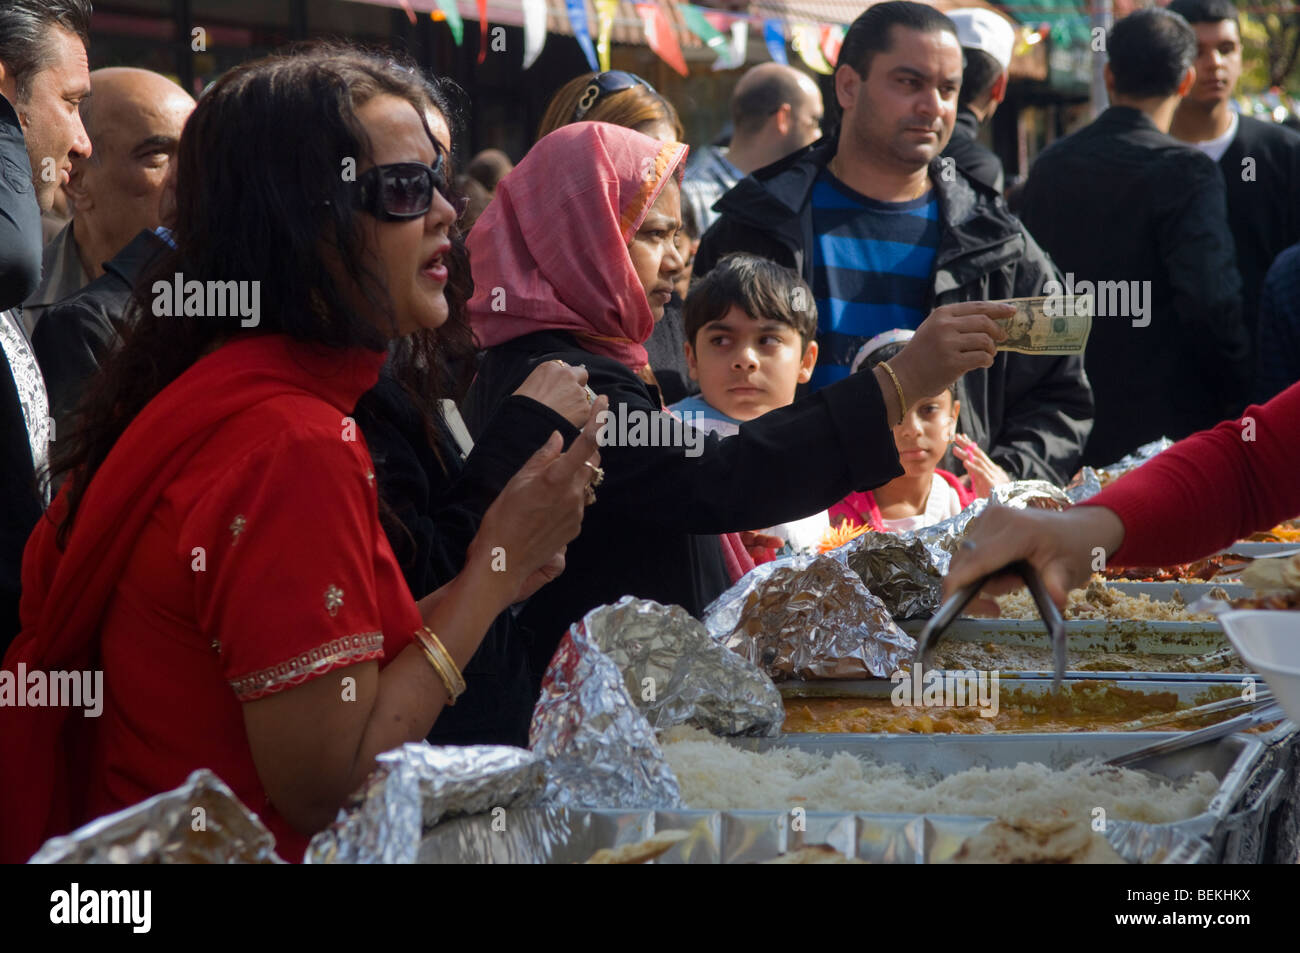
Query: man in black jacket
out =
(1260, 161)
(74, 336)
(840, 211)
(987, 41)
(43, 75)
(1123, 205)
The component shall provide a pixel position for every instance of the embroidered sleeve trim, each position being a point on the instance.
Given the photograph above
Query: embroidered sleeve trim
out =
(361, 647)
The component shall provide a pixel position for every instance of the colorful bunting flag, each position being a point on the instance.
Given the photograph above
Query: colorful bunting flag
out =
(806, 39)
(774, 38)
(660, 36)
(694, 19)
(832, 40)
(534, 30)
(452, 16)
(605, 10)
(736, 30)
(482, 31)
(577, 11)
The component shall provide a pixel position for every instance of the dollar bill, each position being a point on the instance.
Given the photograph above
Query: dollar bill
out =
(1058, 324)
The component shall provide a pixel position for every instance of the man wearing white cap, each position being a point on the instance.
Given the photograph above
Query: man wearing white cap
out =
(986, 41)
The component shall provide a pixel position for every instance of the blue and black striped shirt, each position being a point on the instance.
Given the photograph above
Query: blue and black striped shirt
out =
(872, 266)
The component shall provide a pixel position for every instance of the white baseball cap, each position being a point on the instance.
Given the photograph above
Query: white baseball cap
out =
(981, 29)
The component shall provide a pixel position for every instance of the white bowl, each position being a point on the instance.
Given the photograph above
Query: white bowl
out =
(1269, 641)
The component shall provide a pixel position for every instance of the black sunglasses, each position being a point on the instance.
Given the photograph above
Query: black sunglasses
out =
(404, 190)
(605, 84)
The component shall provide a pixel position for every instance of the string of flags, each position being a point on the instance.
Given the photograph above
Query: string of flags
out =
(725, 34)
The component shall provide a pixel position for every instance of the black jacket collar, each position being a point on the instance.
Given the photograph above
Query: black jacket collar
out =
(978, 230)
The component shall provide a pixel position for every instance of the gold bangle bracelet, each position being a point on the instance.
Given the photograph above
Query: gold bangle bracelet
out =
(442, 663)
(902, 401)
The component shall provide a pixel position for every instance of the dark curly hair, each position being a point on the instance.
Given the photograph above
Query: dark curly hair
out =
(258, 194)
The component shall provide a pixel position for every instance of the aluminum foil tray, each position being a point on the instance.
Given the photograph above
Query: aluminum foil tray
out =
(1190, 591)
(1090, 635)
(1187, 685)
(538, 835)
(570, 836)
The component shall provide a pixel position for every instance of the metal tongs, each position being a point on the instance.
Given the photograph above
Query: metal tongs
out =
(951, 609)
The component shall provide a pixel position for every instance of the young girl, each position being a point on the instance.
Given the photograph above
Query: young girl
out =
(924, 495)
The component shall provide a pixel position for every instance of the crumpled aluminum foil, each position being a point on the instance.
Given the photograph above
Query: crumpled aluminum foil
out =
(676, 673)
(1038, 494)
(161, 830)
(723, 613)
(819, 622)
(599, 749)
(898, 570)
(1088, 481)
(416, 786)
(1085, 485)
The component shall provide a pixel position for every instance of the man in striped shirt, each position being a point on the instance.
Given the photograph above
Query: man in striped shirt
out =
(884, 231)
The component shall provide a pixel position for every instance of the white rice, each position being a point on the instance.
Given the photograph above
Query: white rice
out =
(717, 776)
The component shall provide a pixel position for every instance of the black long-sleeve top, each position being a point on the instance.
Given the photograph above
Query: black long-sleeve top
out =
(434, 503)
(652, 531)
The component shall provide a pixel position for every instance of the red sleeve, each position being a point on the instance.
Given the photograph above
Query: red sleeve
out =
(1212, 489)
(286, 588)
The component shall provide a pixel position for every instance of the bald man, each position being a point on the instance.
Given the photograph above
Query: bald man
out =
(775, 110)
(134, 118)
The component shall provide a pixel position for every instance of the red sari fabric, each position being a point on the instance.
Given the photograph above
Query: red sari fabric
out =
(228, 548)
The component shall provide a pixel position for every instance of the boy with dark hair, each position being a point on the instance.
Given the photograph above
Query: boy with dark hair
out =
(750, 341)
(750, 329)
(1125, 206)
(1260, 161)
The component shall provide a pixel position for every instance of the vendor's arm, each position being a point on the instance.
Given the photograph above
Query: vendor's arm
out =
(1200, 495)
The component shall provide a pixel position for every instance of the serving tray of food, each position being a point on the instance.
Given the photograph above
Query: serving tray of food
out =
(752, 800)
(880, 706)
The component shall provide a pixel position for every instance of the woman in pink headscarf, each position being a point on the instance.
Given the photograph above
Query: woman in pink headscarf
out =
(574, 261)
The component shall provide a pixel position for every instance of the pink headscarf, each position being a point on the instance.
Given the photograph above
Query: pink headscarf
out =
(550, 252)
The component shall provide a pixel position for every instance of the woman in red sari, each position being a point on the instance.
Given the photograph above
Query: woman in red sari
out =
(216, 549)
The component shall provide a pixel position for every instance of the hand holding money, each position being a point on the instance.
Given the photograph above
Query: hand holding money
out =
(1057, 324)
(954, 339)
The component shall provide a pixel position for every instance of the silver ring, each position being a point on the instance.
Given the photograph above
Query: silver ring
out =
(599, 478)
(591, 395)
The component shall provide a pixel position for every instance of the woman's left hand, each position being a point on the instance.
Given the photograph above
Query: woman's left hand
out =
(984, 473)
(561, 387)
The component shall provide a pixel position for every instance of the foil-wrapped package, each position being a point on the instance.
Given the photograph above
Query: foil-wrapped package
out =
(1085, 485)
(1035, 494)
(599, 749)
(413, 788)
(723, 613)
(675, 673)
(819, 622)
(200, 822)
(899, 571)
(1139, 456)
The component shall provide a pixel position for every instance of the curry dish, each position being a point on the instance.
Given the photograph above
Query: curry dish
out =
(1082, 706)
